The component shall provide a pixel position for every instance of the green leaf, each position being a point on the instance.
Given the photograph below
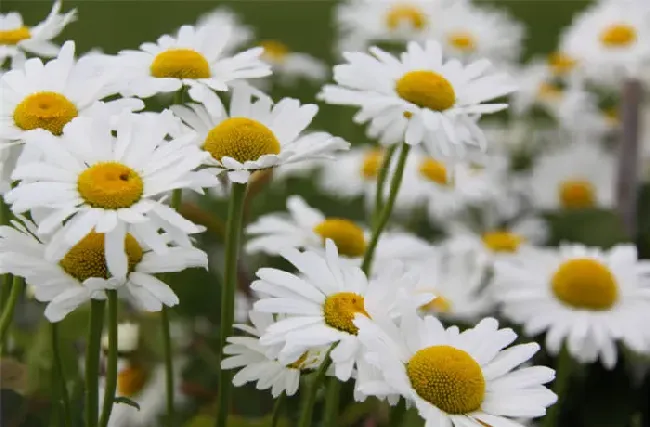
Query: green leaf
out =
(127, 401)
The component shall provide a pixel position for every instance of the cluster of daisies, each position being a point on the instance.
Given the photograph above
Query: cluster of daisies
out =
(94, 182)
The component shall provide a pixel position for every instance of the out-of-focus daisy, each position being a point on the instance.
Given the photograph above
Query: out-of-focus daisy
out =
(578, 176)
(259, 366)
(195, 58)
(353, 173)
(471, 32)
(584, 298)
(16, 39)
(457, 379)
(289, 66)
(256, 134)
(418, 98)
(322, 302)
(111, 184)
(67, 278)
(221, 17)
(535, 88)
(128, 337)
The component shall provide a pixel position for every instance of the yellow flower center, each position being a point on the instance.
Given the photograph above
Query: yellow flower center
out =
(12, 37)
(45, 110)
(347, 236)
(274, 51)
(462, 40)
(180, 64)
(371, 164)
(438, 305)
(110, 185)
(426, 89)
(242, 139)
(130, 381)
(406, 14)
(502, 241)
(548, 92)
(340, 309)
(434, 171)
(86, 259)
(448, 378)
(586, 284)
(577, 194)
(618, 36)
(561, 63)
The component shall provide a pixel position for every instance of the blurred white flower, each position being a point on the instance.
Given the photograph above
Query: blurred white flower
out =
(221, 17)
(128, 337)
(289, 66)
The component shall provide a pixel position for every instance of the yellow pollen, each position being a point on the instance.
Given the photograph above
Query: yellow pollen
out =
(577, 194)
(407, 114)
(274, 51)
(502, 241)
(87, 259)
(180, 64)
(406, 14)
(462, 41)
(130, 381)
(561, 63)
(242, 139)
(340, 309)
(618, 36)
(298, 364)
(371, 164)
(585, 284)
(434, 171)
(448, 378)
(12, 37)
(110, 185)
(438, 305)
(45, 110)
(347, 236)
(426, 89)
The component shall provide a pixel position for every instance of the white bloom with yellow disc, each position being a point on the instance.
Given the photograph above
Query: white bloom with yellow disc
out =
(322, 302)
(255, 133)
(582, 298)
(258, 364)
(418, 98)
(353, 173)
(16, 39)
(67, 278)
(535, 88)
(289, 66)
(115, 185)
(195, 57)
(457, 379)
(223, 16)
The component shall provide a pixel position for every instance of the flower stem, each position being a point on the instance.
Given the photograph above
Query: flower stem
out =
(17, 286)
(233, 231)
(560, 386)
(59, 375)
(386, 210)
(397, 414)
(278, 408)
(169, 366)
(381, 180)
(310, 398)
(92, 360)
(332, 403)
(110, 386)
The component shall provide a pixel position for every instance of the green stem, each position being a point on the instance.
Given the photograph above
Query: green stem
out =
(332, 403)
(169, 366)
(92, 360)
(278, 408)
(560, 386)
(8, 311)
(233, 232)
(381, 180)
(386, 210)
(110, 386)
(59, 375)
(397, 413)
(310, 398)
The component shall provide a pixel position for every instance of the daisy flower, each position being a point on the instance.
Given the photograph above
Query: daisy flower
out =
(67, 278)
(128, 338)
(581, 297)
(457, 379)
(322, 302)
(195, 58)
(418, 98)
(578, 176)
(112, 184)
(256, 134)
(536, 87)
(224, 17)
(16, 39)
(257, 364)
(354, 173)
(289, 66)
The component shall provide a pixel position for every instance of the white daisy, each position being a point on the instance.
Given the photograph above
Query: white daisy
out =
(128, 337)
(322, 302)
(586, 298)
(68, 278)
(353, 173)
(112, 184)
(194, 58)
(578, 176)
(256, 134)
(535, 88)
(222, 16)
(418, 98)
(289, 66)
(16, 39)
(259, 366)
(457, 379)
